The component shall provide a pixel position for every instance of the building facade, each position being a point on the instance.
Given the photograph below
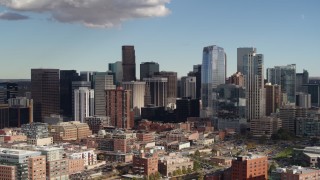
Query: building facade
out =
(250, 167)
(83, 103)
(137, 93)
(147, 69)
(128, 63)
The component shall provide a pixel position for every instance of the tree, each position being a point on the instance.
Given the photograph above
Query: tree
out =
(197, 153)
(272, 167)
(196, 165)
(184, 170)
(179, 172)
(174, 173)
(151, 177)
(145, 177)
(157, 176)
(201, 176)
(189, 170)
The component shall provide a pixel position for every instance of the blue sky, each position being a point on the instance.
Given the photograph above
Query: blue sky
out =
(285, 31)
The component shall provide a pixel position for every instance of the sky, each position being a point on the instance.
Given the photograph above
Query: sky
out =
(87, 35)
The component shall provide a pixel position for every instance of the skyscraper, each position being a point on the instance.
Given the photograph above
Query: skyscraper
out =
(83, 103)
(66, 79)
(285, 76)
(251, 67)
(45, 92)
(77, 85)
(156, 88)
(189, 87)
(241, 52)
(137, 93)
(197, 73)
(213, 73)
(117, 69)
(128, 63)
(102, 82)
(147, 69)
(301, 79)
(118, 108)
(7, 91)
(172, 86)
(273, 98)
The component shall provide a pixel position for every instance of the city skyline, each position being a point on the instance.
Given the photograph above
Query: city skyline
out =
(288, 35)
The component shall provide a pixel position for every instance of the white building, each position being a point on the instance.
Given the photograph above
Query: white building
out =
(83, 103)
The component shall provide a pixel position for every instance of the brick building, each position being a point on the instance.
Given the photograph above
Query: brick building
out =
(145, 163)
(250, 167)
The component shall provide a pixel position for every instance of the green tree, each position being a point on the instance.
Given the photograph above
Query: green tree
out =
(189, 170)
(174, 173)
(151, 177)
(184, 170)
(179, 172)
(272, 167)
(197, 153)
(145, 177)
(157, 176)
(201, 176)
(196, 165)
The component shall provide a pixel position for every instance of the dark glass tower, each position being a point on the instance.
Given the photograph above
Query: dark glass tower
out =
(66, 79)
(7, 91)
(45, 92)
(147, 69)
(128, 63)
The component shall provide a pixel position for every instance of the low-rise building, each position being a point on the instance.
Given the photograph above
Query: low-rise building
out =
(37, 168)
(145, 163)
(172, 162)
(221, 161)
(8, 172)
(265, 126)
(179, 146)
(298, 172)
(70, 131)
(250, 167)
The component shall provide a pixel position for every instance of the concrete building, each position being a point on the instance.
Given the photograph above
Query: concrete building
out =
(157, 90)
(273, 98)
(128, 63)
(303, 100)
(118, 108)
(265, 126)
(77, 85)
(168, 164)
(213, 68)
(137, 93)
(307, 127)
(189, 87)
(97, 123)
(19, 159)
(37, 133)
(46, 100)
(70, 131)
(172, 86)
(298, 172)
(285, 76)
(102, 82)
(83, 103)
(250, 65)
(250, 167)
(288, 116)
(145, 164)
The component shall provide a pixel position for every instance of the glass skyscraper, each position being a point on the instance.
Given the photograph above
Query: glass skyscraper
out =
(286, 77)
(213, 74)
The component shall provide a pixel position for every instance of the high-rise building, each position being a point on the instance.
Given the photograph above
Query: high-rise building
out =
(250, 167)
(45, 93)
(102, 82)
(117, 69)
(237, 79)
(187, 107)
(288, 116)
(251, 65)
(189, 87)
(77, 85)
(213, 71)
(241, 53)
(147, 69)
(197, 73)
(83, 103)
(156, 91)
(172, 86)
(118, 108)
(273, 98)
(128, 63)
(301, 79)
(303, 100)
(265, 126)
(137, 90)
(7, 91)
(66, 79)
(314, 91)
(86, 76)
(20, 111)
(285, 76)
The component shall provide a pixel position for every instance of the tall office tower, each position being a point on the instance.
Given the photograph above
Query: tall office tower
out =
(241, 52)
(20, 111)
(252, 69)
(66, 79)
(285, 76)
(288, 116)
(197, 73)
(118, 108)
(172, 87)
(102, 82)
(314, 80)
(273, 98)
(156, 89)
(314, 91)
(237, 79)
(83, 103)
(303, 100)
(45, 93)
(86, 75)
(301, 79)
(116, 69)
(137, 93)
(187, 107)
(7, 91)
(213, 73)
(189, 87)
(77, 85)
(128, 63)
(231, 101)
(250, 167)
(147, 69)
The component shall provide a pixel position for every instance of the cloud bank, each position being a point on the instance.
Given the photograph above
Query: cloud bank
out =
(92, 13)
(12, 16)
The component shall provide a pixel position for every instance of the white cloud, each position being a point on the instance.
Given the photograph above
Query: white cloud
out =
(92, 13)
